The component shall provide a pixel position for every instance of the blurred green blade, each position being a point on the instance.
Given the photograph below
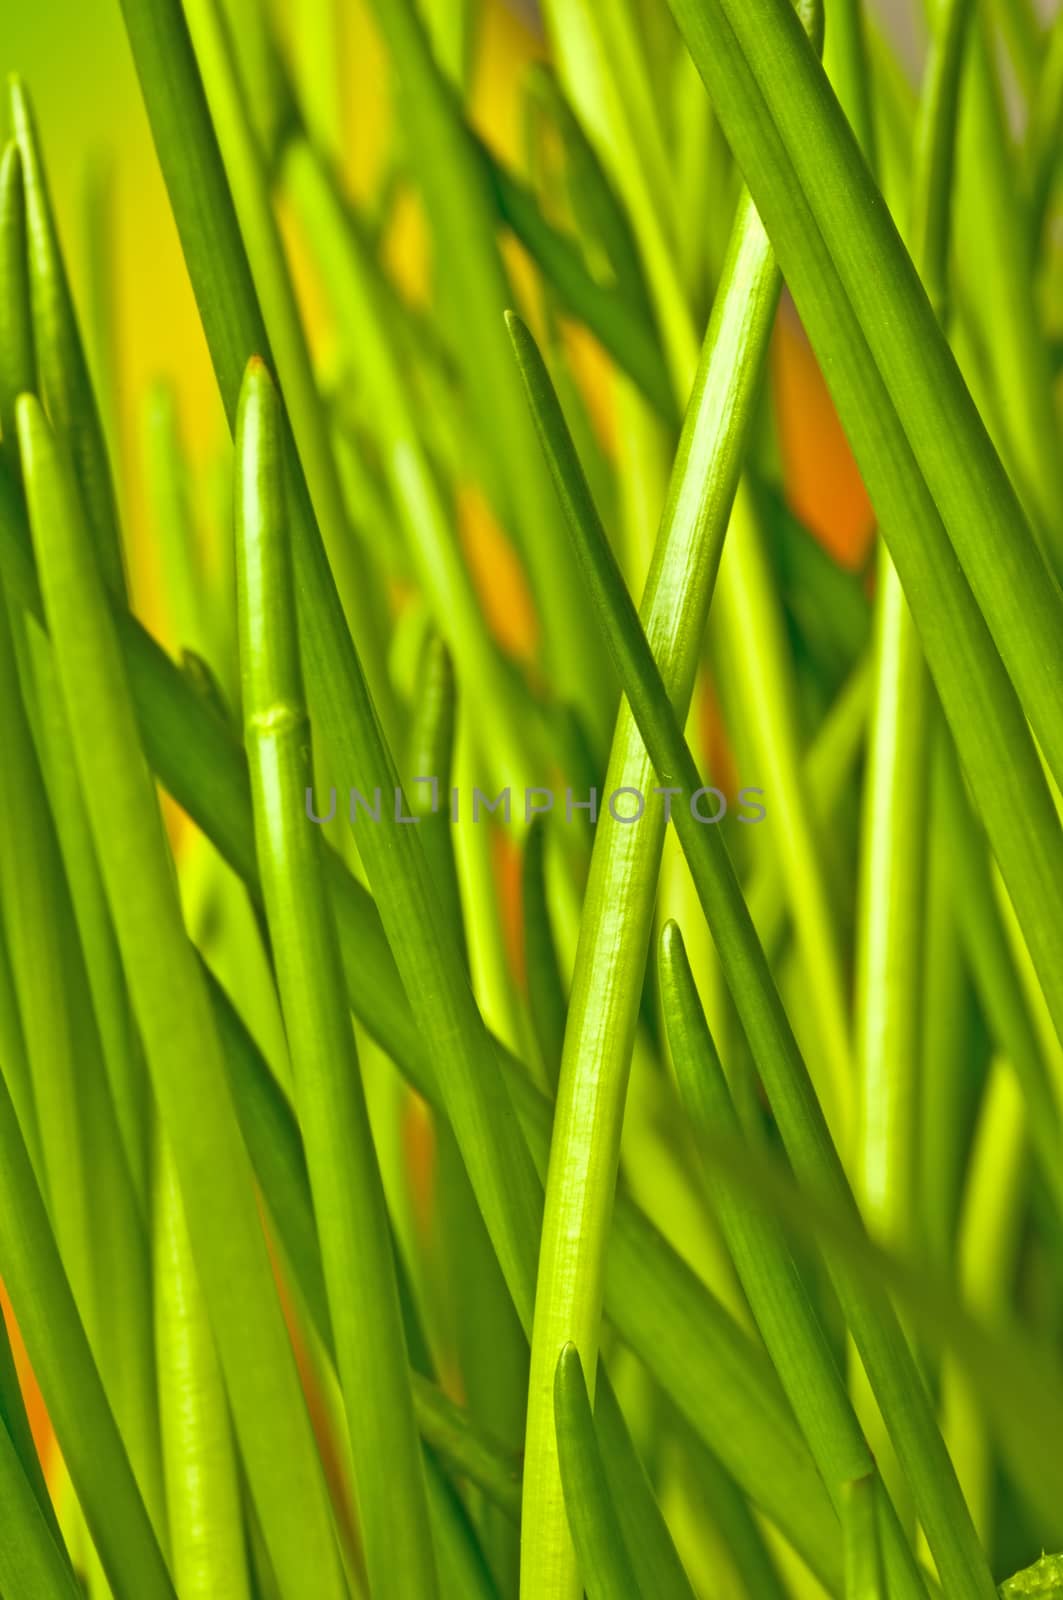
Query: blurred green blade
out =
(31, 1561)
(62, 1362)
(654, 1561)
(895, 1377)
(172, 1011)
(864, 1578)
(65, 384)
(202, 1479)
(792, 1333)
(595, 1521)
(348, 1196)
(18, 362)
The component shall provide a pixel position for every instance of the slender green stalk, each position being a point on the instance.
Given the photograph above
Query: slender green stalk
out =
(62, 1362)
(16, 1424)
(882, 1345)
(202, 1479)
(656, 1565)
(32, 1562)
(474, 293)
(605, 1565)
(502, 714)
(1041, 150)
(787, 1321)
(755, 635)
(64, 376)
(344, 1177)
(249, 183)
(546, 995)
(693, 1349)
(987, 1252)
(864, 1577)
(463, 1056)
(18, 360)
(845, 58)
(611, 957)
(951, 627)
(171, 1007)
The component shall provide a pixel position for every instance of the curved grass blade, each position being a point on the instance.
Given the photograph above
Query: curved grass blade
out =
(864, 1578)
(604, 997)
(348, 1196)
(62, 1362)
(604, 1562)
(882, 1345)
(952, 630)
(15, 1422)
(792, 1333)
(172, 1011)
(202, 1479)
(64, 375)
(657, 1305)
(463, 1056)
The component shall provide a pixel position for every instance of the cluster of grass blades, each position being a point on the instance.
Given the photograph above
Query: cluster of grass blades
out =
(531, 1028)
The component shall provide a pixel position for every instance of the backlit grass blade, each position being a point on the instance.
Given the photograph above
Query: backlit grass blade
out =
(18, 363)
(874, 1326)
(64, 375)
(654, 1561)
(172, 1011)
(202, 1479)
(31, 1560)
(610, 961)
(629, 339)
(463, 1056)
(546, 995)
(864, 1578)
(951, 627)
(502, 714)
(473, 295)
(604, 1562)
(1044, 1579)
(656, 1303)
(345, 1180)
(248, 179)
(16, 1423)
(792, 1333)
(63, 1364)
(804, 169)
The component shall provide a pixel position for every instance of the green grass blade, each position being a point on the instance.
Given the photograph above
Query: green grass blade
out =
(883, 1348)
(172, 1011)
(951, 627)
(1044, 1579)
(656, 1303)
(463, 1055)
(18, 361)
(248, 179)
(202, 1478)
(474, 294)
(864, 1578)
(627, 336)
(64, 376)
(788, 1324)
(348, 1195)
(604, 1562)
(14, 1420)
(62, 1362)
(546, 996)
(654, 1561)
(786, 100)
(604, 997)
(31, 1561)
